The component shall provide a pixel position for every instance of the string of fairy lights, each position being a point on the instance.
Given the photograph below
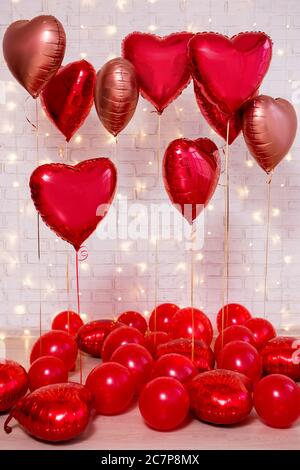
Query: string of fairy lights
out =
(10, 124)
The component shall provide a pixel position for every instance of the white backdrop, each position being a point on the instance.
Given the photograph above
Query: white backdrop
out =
(119, 275)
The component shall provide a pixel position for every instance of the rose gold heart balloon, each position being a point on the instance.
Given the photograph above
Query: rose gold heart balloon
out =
(34, 51)
(116, 94)
(191, 170)
(269, 127)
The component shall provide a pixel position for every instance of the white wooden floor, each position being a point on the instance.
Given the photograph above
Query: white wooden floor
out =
(128, 431)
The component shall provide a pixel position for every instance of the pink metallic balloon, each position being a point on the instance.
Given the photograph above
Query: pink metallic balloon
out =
(191, 170)
(230, 70)
(72, 200)
(53, 413)
(68, 97)
(217, 119)
(220, 397)
(161, 64)
(34, 51)
(116, 94)
(90, 337)
(13, 383)
(269, 128)
(281, 355)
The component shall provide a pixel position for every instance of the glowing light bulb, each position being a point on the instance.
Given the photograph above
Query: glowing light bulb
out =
(119, 269)
(111, 29)
(78, 139)
(20, 309)
(275, 212)
(287, 259)
(249, 163)
(16, 184)
(119, 299)
(11, 106)
(288, 157)
(199, 257)
(26, 332)
(152, 27)
(142, 267)
(210, 207)
(257, 216)
(83, 55)
(280, 52)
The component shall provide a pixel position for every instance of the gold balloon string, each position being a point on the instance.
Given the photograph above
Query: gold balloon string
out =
(156, 260)
(38, 220)
(267, 242)
(117, 207)
(78, 307)
(226, 234)
(193, 232)
(68, 287)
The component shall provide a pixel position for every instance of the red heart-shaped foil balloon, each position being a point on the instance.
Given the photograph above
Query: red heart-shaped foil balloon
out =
(281, 355)
(72, 200)
(220, 397)
(191, 170)
(230, 70)
(13, 383)
(54, 413)
(204, 358)
(90, 336)
(161, 64)
(216, 118)
(34, 51)
(68, 97)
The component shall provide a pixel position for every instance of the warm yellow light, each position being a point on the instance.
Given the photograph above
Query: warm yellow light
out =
(249, 163)
(152, 27)
(83, 55)
(257, 216)
(119, 269)
(275, 212)
(288, 157)
(142, 267)
(199, 257)
(210, 207)
(78, 139)
(11, 106)
(16, 184)
(287, 259)
(20, 309)
(26, 332)
(181, 267)
(280, 52)
(111, 29)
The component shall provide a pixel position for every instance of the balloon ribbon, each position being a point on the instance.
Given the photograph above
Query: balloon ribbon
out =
(78, 309)
(38, 222)
(157, 231)
(192, 289)
(267, 243)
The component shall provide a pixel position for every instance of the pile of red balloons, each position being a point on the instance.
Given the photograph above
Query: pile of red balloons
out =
(166, 363)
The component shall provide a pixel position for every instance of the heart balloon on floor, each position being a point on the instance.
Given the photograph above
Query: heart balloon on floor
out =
(53, 413)
(230, 70)
(13, 383)
(281, 355)
(219, 397)
(90, 336)
(191, 170)
(269, 128)
(204, 358)
(116, 94)
(34, 51)
(72, 200)
(68, 97)
(161, 64)
(216, 118)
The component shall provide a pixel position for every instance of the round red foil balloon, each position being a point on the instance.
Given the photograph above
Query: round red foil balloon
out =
(58, 344)
(161, 64)
(112, 385)
(53, 413)
(164, 403)
(219, 397)
(13, 383)
(138, 361)
(118, 337)
(90, 336)
(161, 316)
(281, 355)
(134, 319)
(190, 322)
(155, 339)
(68, 97)
(262, 330)
(234, 314)
(67, 321)
(217, 119)
(34, 51)
(47, 370)
(204, 358)
(230, 70)
(277, 400)
(241, 357)
(191, 170)
(175, 365)
(233, 333)
(73, 199)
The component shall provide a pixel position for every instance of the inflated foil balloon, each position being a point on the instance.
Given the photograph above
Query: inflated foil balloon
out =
(34, 51)
(118, 337)
(53, 413)
(262, 329)
(56, 343)
(175, 365)
(72, 200)
(153, 339)
(230, 70)
(191, 170)
(134, 319)
(47, 370)
(203, 356)
(269, 128)
(232, 314)
(281, 355)
(68, 97)
(67, 321)
(161, 64)
(190, 322)
(241, 356)
(13, 383)
(217, 119)
(90, 336)
(233, 333)
(219, 397)
(116, 94)
(160, 318)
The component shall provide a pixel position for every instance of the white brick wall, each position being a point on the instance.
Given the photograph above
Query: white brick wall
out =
(101, 284)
